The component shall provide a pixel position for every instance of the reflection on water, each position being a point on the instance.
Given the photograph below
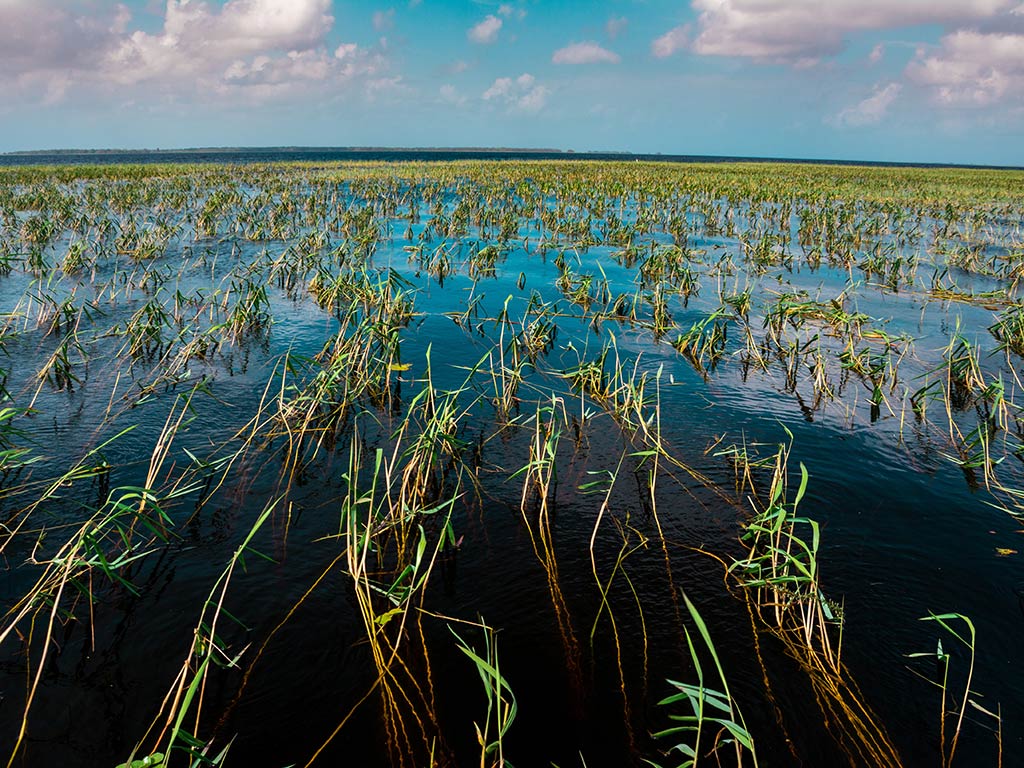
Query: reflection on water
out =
(583, 589)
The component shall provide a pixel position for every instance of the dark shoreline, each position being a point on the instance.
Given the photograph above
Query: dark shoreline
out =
(242, 155)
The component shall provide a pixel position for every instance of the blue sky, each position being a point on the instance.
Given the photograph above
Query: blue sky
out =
(899, 80)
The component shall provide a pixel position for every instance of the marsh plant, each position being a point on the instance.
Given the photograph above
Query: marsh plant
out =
(275, 437)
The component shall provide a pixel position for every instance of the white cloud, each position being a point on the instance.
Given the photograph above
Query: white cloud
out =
(307, 65)
(615, 26)
(241, 27)
(450, 95)
(38, 36)
(523, 94)
(972, 68)
(254, 47)
(197, 39)
(877, 53)
(498, 89)
(810, 29)
(587, 52)
(870, 110)
(384, 20)
(507, 10)
(243, 42)
(378, 85)
(486, 31)
(533, 100)
(346, 51)
(672, 41)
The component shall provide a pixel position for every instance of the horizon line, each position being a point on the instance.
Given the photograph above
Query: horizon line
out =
(512, 151)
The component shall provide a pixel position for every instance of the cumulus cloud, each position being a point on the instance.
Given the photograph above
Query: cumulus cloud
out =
(810, 29)
(449, 94)
(533, 100)
(507, 10)
(264, 70)
(877, 54)
(871, 110)
(615, 26)
(256, 47)
(198, 39)
(500, 88)
(672, 41)
(39, 36)
(485, 31)
(587, 52)
(972, 68)
(522, 94)
(240, 27)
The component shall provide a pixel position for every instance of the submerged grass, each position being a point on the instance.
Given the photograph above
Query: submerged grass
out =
(709, 710)
(350, 373)
(780, 580)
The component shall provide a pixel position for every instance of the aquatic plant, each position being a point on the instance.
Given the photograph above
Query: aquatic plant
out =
(276, 390)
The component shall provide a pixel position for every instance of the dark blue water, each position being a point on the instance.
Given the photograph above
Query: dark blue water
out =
(245, 155)
(904, 531)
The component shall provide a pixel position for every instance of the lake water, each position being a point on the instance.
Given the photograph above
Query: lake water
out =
(586, 607)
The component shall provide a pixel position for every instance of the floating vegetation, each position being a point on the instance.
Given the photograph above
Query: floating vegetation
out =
(274, 439)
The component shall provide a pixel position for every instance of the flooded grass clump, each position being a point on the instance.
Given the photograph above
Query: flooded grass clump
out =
(568, 463)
